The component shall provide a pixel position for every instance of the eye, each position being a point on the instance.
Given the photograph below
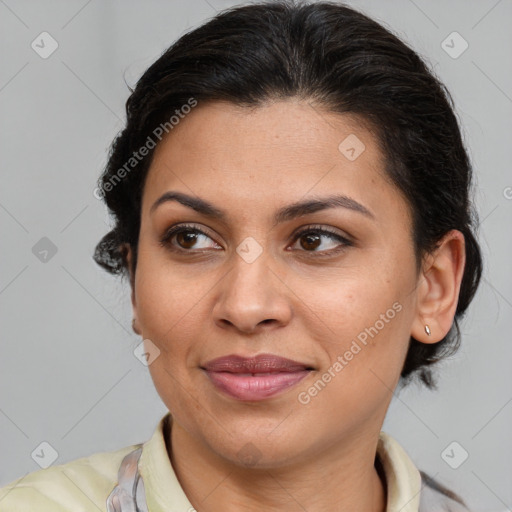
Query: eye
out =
(186, 236)
(312, 239)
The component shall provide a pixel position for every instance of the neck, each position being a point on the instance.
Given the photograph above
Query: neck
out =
(345, 478)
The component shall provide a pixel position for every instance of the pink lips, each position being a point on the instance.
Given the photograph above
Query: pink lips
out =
(255, 378)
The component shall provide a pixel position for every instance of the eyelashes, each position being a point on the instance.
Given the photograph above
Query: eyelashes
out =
(178, 230)
(317, 233)
(190, 234)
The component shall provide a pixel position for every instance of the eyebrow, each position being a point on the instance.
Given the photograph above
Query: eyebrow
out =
(284, 214)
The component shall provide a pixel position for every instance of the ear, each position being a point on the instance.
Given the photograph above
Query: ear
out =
(129, 256)
(439, 287)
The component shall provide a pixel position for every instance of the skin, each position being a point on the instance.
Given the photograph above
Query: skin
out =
(210, 302)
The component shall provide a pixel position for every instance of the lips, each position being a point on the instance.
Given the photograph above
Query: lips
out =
(262, 363)
(255, 378)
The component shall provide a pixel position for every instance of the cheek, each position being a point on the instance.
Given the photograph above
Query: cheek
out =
(362, 317)
(348, 299)
(365, 351)
(167, 309)
(167, 295)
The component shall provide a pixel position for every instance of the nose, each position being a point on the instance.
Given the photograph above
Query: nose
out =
(252, 297)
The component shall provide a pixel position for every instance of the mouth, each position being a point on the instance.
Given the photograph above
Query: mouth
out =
(255, 378)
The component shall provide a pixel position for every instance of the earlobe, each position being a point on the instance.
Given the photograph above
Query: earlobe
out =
(135, 326)
(438, 292)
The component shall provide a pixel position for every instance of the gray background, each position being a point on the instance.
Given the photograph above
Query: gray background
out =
(68, 375)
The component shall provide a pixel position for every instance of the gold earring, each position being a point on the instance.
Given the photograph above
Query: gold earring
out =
(427, 330)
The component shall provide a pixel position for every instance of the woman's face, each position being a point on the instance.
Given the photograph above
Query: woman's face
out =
(343, 305)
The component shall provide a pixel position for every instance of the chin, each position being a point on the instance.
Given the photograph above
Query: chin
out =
(253, 451)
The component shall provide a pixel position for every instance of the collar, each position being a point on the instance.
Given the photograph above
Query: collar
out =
(403, 480)
(165, 494)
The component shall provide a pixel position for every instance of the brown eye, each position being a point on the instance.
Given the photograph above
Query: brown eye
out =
(310, 239)
(185, 238)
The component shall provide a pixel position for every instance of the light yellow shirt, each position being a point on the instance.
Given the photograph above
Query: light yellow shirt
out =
(85, 483)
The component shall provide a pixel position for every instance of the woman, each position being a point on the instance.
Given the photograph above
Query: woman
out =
(291, 205)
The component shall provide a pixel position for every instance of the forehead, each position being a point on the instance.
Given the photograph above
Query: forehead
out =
(280, 150)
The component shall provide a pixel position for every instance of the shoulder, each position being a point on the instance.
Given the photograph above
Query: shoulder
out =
(435, 497)
(81, 484)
